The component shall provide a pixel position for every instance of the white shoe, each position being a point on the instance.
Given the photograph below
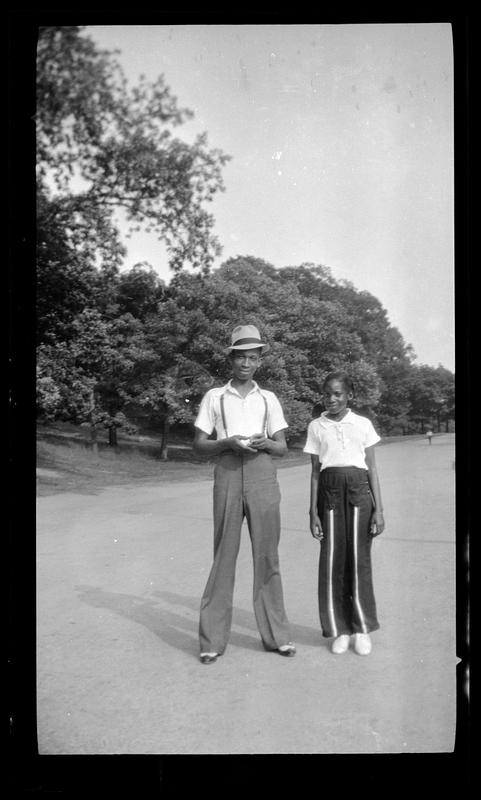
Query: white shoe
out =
(340, 644)
(362, 644)
(287, 649)
(208, 658)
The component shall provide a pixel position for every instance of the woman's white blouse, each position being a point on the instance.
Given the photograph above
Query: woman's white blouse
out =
(343, 443)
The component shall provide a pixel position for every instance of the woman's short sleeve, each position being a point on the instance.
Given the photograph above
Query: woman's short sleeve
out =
(370, 435)
(312, 445)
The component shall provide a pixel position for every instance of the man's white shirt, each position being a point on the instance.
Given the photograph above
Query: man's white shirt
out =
(244, 416)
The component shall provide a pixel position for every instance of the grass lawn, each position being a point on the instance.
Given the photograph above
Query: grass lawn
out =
(66, 461)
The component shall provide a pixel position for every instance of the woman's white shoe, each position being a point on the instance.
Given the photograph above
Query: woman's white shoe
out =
(340, 644)
(362, 644)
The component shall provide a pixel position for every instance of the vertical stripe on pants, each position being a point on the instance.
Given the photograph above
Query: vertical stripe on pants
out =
(356, 568)
(345, 589)
(330, 562)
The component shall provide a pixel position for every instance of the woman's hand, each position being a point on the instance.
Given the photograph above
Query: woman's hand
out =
(315, 526)
(377, 523)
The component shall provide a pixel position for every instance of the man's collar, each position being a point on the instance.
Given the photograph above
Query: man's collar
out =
(255, 388)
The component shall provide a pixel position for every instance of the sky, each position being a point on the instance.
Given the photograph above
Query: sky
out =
(341, 140)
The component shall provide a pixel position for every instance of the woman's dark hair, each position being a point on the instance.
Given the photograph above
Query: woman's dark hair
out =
(342, 377)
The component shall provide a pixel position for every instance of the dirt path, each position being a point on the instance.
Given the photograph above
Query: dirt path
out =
(119, 579)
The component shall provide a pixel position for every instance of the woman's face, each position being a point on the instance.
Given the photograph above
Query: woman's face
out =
(335, 397)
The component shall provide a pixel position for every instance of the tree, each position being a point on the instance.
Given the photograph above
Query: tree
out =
(448, 409)
(168, 382)
(103, 147)
(307, 335)
(67, 279)
(244, 290)
(84, 379)
(168, 396)
(312, 280)
(431, 394)
(139, 291)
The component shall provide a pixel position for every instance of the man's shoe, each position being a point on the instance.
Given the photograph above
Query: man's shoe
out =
(208, 658)
(340, 644)
(362, 644)
(287, 650)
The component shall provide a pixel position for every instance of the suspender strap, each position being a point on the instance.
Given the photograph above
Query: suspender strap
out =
(224, 423)
(264, 422)
(222, 409)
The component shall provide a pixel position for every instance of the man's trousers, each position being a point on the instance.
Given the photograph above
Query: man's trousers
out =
(346, 595)
(245, 486)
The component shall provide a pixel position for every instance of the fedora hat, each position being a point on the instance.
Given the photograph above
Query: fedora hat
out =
(246, 337)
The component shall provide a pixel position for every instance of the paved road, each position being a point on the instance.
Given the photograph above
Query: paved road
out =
(119, 579)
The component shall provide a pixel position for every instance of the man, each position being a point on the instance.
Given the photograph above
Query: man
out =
(249, 425)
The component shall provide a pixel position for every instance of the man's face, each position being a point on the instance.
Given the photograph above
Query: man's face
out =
(245, 363)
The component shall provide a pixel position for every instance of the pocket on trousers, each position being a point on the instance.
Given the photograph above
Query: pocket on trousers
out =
(360, 494)
(329, 497)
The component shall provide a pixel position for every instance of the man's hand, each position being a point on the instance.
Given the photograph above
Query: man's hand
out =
(377, 523)
(260, 442)
(316, 527)
(235, 444)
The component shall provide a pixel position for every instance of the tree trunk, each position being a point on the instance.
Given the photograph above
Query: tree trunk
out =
(113, 436)
(93, 439)
(164, 443)
(93, 427)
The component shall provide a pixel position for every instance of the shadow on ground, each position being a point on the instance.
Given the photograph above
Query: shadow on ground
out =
(180, 630)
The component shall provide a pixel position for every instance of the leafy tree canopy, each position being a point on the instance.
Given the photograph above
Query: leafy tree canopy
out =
(166, 345)
(103, 146)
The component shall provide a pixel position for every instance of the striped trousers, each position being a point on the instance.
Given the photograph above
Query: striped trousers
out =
(346, 596)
